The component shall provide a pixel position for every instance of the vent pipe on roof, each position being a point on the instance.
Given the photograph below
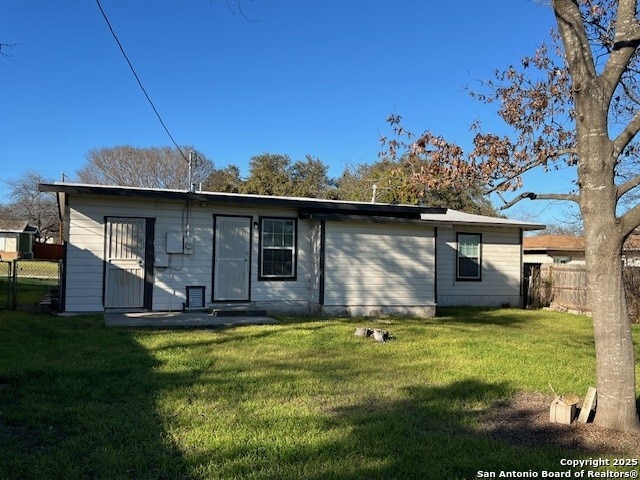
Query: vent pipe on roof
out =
(191, 185)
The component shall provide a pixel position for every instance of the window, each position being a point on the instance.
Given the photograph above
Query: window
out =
(469, 256)
(277, 248)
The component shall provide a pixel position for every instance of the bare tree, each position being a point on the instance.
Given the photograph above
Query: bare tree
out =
(574, 103)
(154, 167)
(38, 208)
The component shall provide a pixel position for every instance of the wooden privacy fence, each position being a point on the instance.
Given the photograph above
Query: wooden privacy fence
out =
(564, 287)
(568, 286)
(47, 251)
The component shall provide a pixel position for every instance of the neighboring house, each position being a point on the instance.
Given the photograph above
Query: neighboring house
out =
(564, 249)
(16, 239)
(569, 249)
(151, 249)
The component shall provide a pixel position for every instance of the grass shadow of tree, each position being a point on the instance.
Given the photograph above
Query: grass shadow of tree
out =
(431, 434)
(77, 401)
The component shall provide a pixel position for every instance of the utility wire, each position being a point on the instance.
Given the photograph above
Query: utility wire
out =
(124, 54)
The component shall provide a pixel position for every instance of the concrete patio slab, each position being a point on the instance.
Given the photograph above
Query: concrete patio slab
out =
(181, 320)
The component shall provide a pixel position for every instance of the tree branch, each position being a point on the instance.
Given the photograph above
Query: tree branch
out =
(626, 42)
(627, 186)
(541, 196)
(530, 166)
(628, 134)
(575, 40)
(630, 220)
(4, 52)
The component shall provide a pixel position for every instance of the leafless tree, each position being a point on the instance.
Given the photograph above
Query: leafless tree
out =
(154, 167)
(38, 208)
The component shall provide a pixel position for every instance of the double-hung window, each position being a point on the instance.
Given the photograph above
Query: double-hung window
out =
(469, 264)
(277, 248)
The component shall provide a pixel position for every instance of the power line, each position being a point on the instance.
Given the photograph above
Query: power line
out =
(124, 54)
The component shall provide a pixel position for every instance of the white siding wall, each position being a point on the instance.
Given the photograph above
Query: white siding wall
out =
(169, 290)
(285, 295)
(536, 258)
(379, 268)
(501, 269)
(369, 268)
(8, 242)
(85, 253)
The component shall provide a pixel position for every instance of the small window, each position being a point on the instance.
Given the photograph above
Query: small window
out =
(469, 256)
(277, 248)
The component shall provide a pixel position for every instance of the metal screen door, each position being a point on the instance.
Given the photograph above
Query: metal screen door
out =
(124, 278)
(232, 266)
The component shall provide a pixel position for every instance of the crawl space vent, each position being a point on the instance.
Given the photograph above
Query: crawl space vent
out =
(195, 298)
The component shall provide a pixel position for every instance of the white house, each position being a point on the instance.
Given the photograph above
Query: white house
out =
(151, 249)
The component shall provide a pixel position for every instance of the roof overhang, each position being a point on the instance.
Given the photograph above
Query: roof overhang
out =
(22, 228)
(306, 207)
(456, 217)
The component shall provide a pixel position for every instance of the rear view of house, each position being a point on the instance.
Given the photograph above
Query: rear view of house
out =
(151, 249)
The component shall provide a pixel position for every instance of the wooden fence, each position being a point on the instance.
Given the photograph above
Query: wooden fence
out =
(568, 286)
(564, 287)
(47, 251)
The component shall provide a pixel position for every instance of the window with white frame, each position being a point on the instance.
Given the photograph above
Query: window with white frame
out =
(277, 248)
(469, 264)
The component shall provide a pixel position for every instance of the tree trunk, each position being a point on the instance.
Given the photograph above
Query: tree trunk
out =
(615, 363)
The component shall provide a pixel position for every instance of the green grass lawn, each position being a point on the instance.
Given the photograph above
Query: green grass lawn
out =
(303, 399)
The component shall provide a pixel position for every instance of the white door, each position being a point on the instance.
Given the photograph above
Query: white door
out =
(124, 277)
(232, 266)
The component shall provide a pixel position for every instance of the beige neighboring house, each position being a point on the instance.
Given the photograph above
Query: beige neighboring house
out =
(569, 249)
(564, 249)
(16, 239)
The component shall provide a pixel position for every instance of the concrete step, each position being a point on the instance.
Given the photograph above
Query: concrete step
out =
(241, 311)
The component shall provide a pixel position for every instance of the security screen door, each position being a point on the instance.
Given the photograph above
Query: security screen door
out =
(125, 253)
(232, 266)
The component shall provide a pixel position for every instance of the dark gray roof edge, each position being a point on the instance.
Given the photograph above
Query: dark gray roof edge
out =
(17, 226)
(302, 204)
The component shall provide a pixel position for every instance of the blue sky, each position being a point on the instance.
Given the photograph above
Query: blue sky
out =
(292, 77)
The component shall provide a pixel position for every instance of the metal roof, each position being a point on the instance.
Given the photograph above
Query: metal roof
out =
(306, 207)
(303, 205)
(457, 217)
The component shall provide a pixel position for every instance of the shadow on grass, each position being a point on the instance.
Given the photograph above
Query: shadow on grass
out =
(81, 401)
(506, 317)
(424, 436)
(78, 401)
(436, 433)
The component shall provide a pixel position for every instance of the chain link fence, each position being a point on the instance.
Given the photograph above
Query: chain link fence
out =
(6, 284)
(31, 285)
